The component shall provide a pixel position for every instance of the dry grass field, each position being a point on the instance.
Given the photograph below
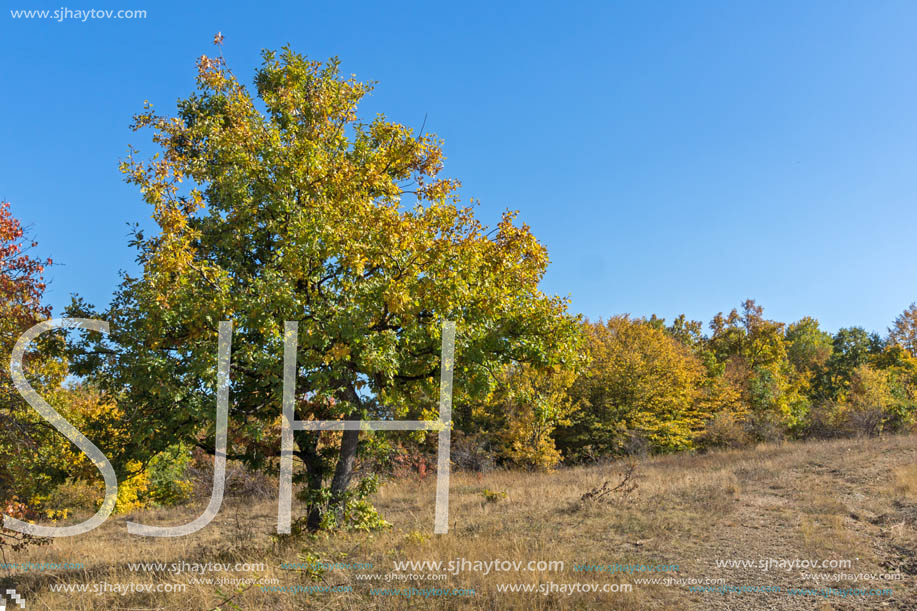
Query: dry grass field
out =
(850, 500)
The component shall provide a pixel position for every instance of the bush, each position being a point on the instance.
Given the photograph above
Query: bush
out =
(133, 492)
(723, 431)
(824, 422)
(411, 462)
(636, 444)
(241, 482)
(765, 426)
(169, 482)
(493, 496)
(13, 540)
(472, 452)
(76, 495)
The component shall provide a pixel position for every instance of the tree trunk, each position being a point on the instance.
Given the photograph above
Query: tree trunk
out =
(308, 453)
(343, 472)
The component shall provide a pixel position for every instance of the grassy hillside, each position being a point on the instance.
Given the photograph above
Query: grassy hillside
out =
(848, 500)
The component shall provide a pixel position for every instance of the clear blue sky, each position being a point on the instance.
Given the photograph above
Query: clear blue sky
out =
(674, 156)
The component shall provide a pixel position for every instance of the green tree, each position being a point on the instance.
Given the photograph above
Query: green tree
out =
(808, 347)
(284, 205)
(754, 350)
(903, 331)
(851, 348)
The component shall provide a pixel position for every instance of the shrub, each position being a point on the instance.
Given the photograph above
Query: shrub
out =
(16, 541)
(241, 482)
(825, 421)
(76, 495)
(411, 462)
(133, 492)
(169, 482)
(765, 426)
(472, 452)
(619, 492)
(723, 431)
(351, 512)
(493, 496)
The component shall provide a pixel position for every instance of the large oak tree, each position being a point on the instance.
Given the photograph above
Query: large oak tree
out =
(282, 204)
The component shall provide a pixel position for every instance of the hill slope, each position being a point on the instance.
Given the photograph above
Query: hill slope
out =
(849, 505)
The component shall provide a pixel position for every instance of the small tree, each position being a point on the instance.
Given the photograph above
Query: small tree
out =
(21, 290)
(528, 406)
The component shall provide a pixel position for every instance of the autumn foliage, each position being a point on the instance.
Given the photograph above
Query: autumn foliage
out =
(21, 290)
(279, 203)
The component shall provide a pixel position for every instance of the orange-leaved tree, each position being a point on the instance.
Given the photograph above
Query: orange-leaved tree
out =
(21, 437)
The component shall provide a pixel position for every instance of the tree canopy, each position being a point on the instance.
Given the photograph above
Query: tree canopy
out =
(282, 204)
